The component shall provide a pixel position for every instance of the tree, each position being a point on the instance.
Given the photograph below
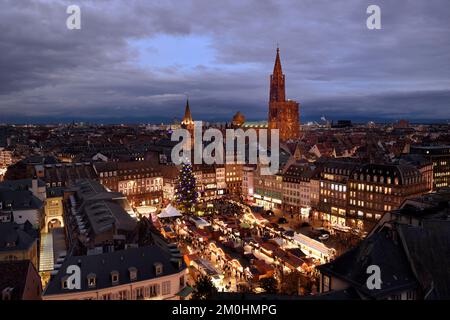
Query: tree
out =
(186, 195)
(306, 284)
(269, 285)
(290, 283)
(204, 289)
(144, 232)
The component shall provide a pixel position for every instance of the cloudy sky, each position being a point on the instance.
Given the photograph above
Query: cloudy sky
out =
(137, 61)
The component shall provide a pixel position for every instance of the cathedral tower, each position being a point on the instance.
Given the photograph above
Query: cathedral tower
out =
(187, 122)
(283, 115)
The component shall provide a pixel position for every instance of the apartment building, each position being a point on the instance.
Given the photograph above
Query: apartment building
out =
(140, 181)
(145, 273)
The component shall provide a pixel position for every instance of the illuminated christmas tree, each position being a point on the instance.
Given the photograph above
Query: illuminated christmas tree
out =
(186, 193)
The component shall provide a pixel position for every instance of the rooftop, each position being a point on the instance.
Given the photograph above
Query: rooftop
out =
(142, 260)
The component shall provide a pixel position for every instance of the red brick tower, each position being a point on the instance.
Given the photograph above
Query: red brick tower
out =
(283, 115)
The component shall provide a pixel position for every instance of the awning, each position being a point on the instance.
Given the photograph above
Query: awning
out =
(185, 292)
(169, 212)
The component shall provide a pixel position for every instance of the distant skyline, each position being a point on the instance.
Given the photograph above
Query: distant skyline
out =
(137, 61)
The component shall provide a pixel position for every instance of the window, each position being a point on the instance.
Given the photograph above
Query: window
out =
(396, 297)
(133, 273)
(326, 283)
(411, 295)
(153, 290)
(158, 268)
(182, 282)
(166, 287)
(123, 295)
(64, 282)
(107, 296)
(91, 280)
(115, 277)
(139, 293)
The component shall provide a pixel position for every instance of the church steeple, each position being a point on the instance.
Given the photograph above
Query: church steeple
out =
(277, 67)
(277, 88)
(187, 119)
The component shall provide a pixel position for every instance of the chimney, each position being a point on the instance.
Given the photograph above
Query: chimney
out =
(34, 186)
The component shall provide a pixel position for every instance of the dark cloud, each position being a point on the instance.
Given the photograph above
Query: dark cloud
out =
(334, 66)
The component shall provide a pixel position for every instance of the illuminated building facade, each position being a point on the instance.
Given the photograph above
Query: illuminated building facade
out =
(334, 177)
(233, 178)
(439, 155)
(283, 114)
(139, 181)
(248, 185)
(297, 189)
(377, 189)
(268, 191)
(205, 180)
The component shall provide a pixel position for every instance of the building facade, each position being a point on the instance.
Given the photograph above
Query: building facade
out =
(140, 181)
(18, 243)
(377, 189)
(268, 191)
(297, 189)
(439, 155)
(332, 206)
(146, 273)
(248, 185)
(233, 178)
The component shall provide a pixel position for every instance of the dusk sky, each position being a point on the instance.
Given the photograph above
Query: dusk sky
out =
(137, 61)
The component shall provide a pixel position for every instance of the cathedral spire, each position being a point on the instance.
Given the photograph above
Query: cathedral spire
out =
(277, 89)
(277, 70)
(187, 119)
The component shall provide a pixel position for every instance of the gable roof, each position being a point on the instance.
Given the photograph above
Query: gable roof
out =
(428, 250)
(382, 249)
(13, 238)
(13, 274)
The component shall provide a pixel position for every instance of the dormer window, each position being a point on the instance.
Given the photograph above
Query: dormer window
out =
(6, 293)
(91, 278)
(158, 268)
(10, 244)
(133, 273)
(115, 277)
(64, 282)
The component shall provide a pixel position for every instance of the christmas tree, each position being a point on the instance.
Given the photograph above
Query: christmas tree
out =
(186, 193)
